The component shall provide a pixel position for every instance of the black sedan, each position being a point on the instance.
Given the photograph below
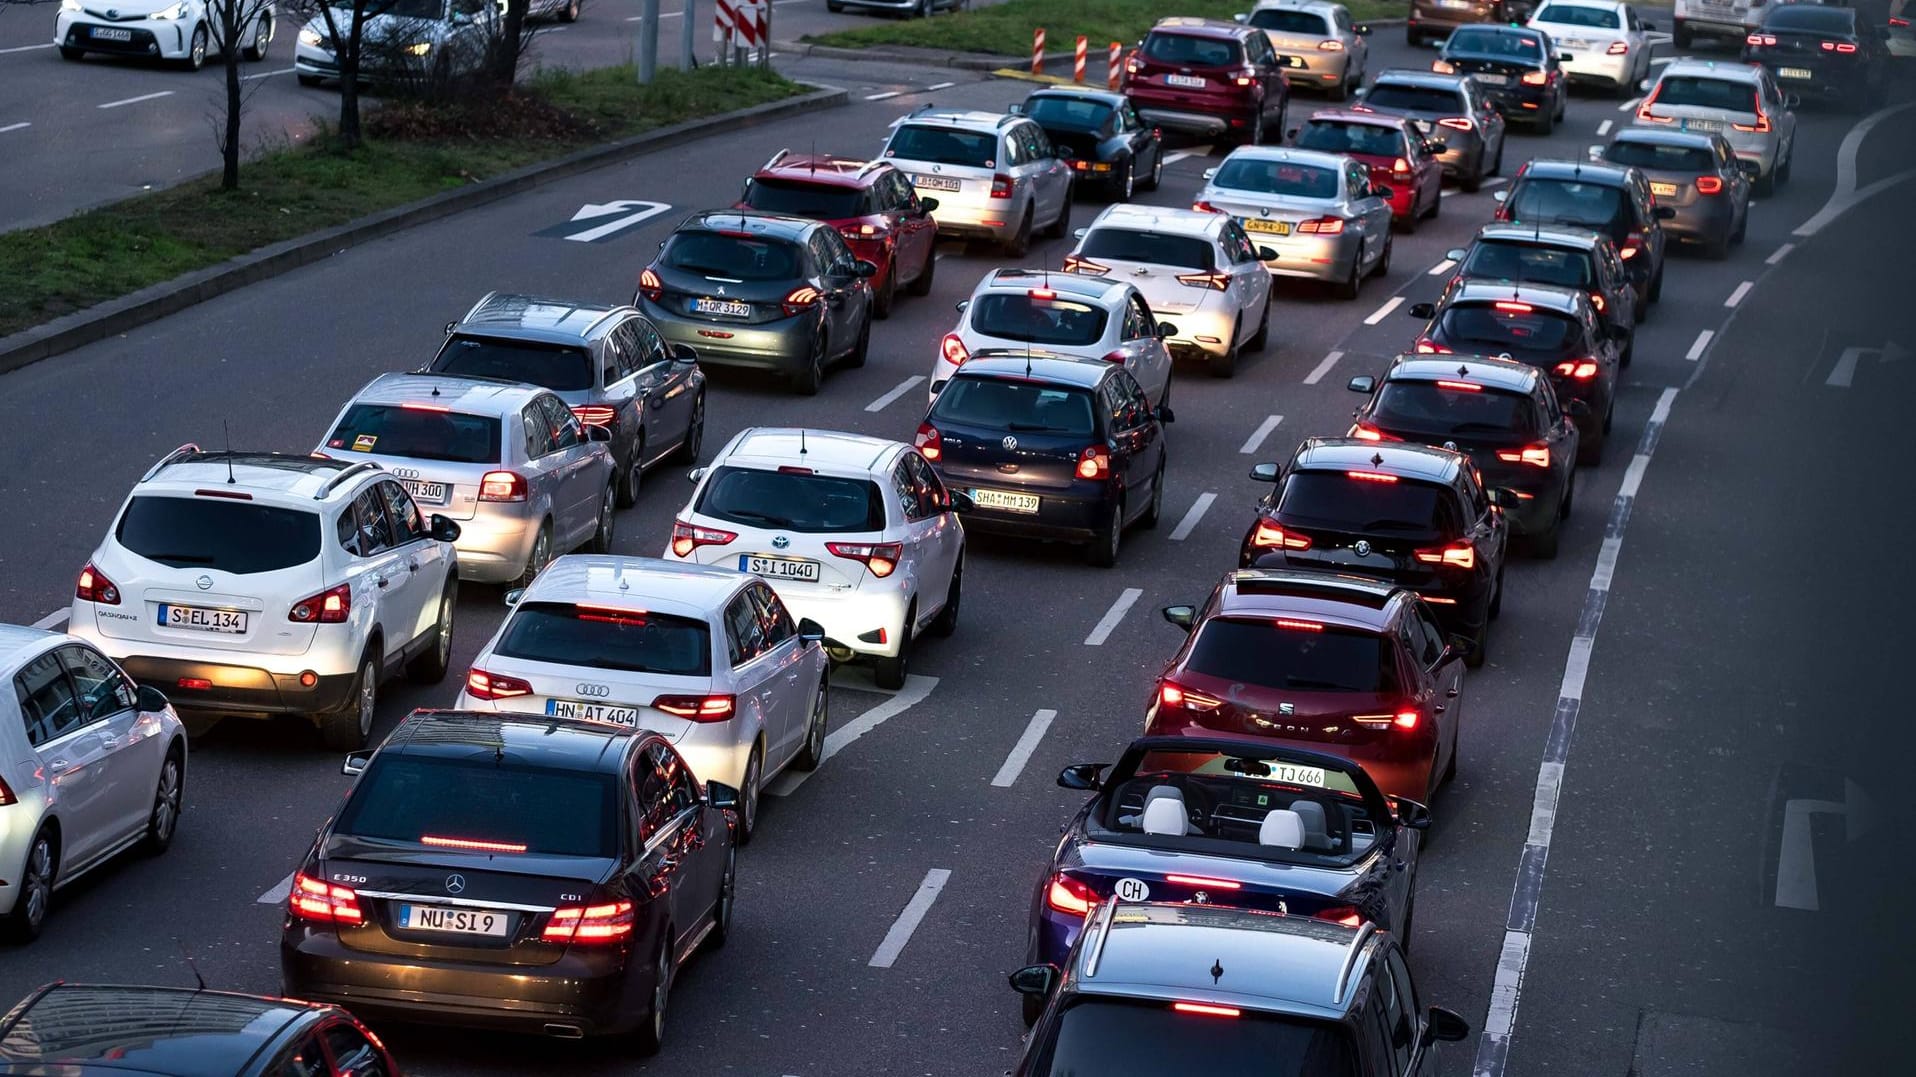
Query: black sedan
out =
(1100, 135)
(1822, 52)
(1518, 67)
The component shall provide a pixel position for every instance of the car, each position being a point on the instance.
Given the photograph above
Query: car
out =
(1200, 268)
(1433, 20)
(1411, 515)
(854, 533)
(1520, 68)
(997, 177)
(1208, 78)
(1902, 36)
(1454, 108)
(1543, 325)
(90, 766)
(79, 1028)
(1504, 415)
(1397, 152)
(1698, 176)
(259, 584)
(1052, 449)
(1741, 102)
(1606, 42)
(762, 292)
(707, 657)
(181, 32)
(1320, 213)
(872, 204)
(922, 9)
(1712, 18)
(513, 872)
(1013, 311)
(1607, 198)
(1147, 989)
(1823, 52)
(1320, 46)
(1555, 254)
(1228, 821)
(1100, 136)
(524, 478)
(402, 40)
(1324, 661)
(606, 362)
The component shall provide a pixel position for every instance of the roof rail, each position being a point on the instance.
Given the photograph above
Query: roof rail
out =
(776, 158)
(175, 456)
(1350, 959)
(926, 107)
(1008, 118)
(1103, 928)
(869, 165)
(344, 474)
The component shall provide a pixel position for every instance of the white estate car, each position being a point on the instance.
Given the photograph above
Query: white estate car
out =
(1607, 43)
(1716, 18)
(708, 657)
(185, 32)
(855, 533)
(1013, 311)
(1739, 101)
(1195, 267)
(1316, 210)
(260, 583)
(996, 176)
(89, 767)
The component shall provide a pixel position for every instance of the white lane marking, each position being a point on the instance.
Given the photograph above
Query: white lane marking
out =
(1384, 311)
(279, 891)
(1441, 268)
(1606, 563)
(882, 96)
(1448, 191)
(137, 100)
(15, 126)
(1102, 630)
(27, 48)
(913, 693)
(1779, 254)
(662, 18)
(1496, 181)
(267, 74)
(1503, 993)
(1021, 751)
(1178, 155)
(908, 921)
(1702, 342)
(940, 86)
(1796, 855)
(1604, 128)
(1742, 290)
(1543, 811)
(1661, 60)
(45, 624)
(1630, 104)
(1322, 368)
(1263, 431)
(1843, 374)
(1576, 668)
(888, 399)
(1191, 518)
(1633, 475)
(1845, 192)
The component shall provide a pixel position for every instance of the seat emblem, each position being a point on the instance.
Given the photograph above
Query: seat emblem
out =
(1287, 708)
(779, 542)
(455, 884)
(1010, 443)
(204, 583)
(1361, 548)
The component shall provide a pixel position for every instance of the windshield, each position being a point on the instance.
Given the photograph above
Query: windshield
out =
(1110, 1037)
(1416, 98)
(1037, 320)
(1429, 409)
(1291, 22)
(485, 798)
(1057, 110)
(1261, 652)
(1497, 260)
(1578, 15)
(815, 200)
(1277, 177)
(1015, 405)
(559, 367)
(734, 257)
(1152, 248)
(944, 145)
(793, 500)
(1531, 335)
(1368, 139)
(1593, 205)
(232, 536)
(632, 642)
(1487, 42)
(1812, 17)
(1693, 91)
(1187, 51)
(417, 433)
(1661, 158)
(1334, 500)
(405, 9)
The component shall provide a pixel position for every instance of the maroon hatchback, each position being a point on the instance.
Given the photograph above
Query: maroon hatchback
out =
(1209, 78)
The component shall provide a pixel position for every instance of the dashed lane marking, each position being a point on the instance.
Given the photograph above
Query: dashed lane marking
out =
(1630, 104)
(1383, 312)
(890, 398)
(137, 100)
(267, 74)
(1322, 368)
(913, 693)
(908, 921)
(1796, 855)
(1604, 128)
(1178, 155)
(1102, 630)
(1779, 254)
(1496, 181)
(940, 86)
(1191, 518)
(1021, 751)
(1702, 343)
(882, 96)
(27, 48)
(1263, 431)
(1742, 290)
(1441, 268)
(15, 126)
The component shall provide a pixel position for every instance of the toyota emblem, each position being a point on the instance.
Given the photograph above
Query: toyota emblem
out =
(204, 583)
(1361, 548)
(455, 884)
(592, 691)
(112, 13)
(779, 542)
(1010, 443)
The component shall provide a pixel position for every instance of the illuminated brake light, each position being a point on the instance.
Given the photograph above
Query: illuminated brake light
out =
(1094, 462)
(316, 899)
(1456, 555)
(1461, 386)
(329, 607)
(1536, 78)
(1580, 369)
(1219, 281)
(93, 586)
(1427, 346)
(1323, 226)
(483, 685)
(650, 286)
(687, 537)
(1514, 308)
(1206, 1009)
(595, 414)
(1299, 626)
(1400, 167)
(1348, 915)
(1041, 293)
(1618, 48)
(472, 845)
(502, 486)
(952, 350)
(1838, 46)
(929, 442)
(1199, 880)
(6, 794)
(440, 409)
(1762, 39)
(801, 299)
(612, 922)
(1069, 896)
(1270, 536)
(1643, 110)
(1708, 185)
(1455, 123)
(1597, 301)
(880, 557)
(1332, 45)
(1537, 455)
(1371, 476)
(1171, 694)
(1404, 719)
(1001, 186)
(698, 708)
(1762, 118)
(1201, 206)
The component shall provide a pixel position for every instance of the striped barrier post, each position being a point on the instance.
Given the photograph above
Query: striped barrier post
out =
(1111, 69)
(1037, 51)
(1077, 63)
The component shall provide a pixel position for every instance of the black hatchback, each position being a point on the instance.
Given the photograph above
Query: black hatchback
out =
(1612, 199)
(519, 872)
(1051, 448)
(1101, 136)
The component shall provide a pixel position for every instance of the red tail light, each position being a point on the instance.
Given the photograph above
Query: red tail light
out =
(1115, 357)
(1075, 264)
(1293, 625)
(952, 350)
(1513, 308)
(1709, 185)
(95, 587)
(1220, 281)
(1762, 39)
(611, 922)
(1597, 301)
(1244, 80)
(1333, 45)
(1460, 386)
(879, 557)
(1403, 719)
(1427, 346)
(1400, 167)
(1537, 455)
(688, 537)
(865, 231)
(1455, 123)
(6, 794)
(1202, 206)
(1171, 694)
(1580, 369)
(1898, 22)
(1348, 915)
(650, 286)
(1094, 462)
(801, 299)
(1643, 110)
(1323, 226)
(1629, 250)
(329, 607)
(595, 414)
(1001, 186)
(1069, 896)
(1762, 118)
(483, 685)
(1843, 47)
(1206, 1009)
(1207, 883)
(1367, 432)
(698, 708)
(1456, 555)
(1618, 48)
(502, 486)
(929, 442)
(315, 899)
(1443, 67)
(1269, 535)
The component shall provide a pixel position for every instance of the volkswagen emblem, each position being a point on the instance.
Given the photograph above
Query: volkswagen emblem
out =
(1361, 548)
(1010, 443)
(455, 884)
(592, 691)
(204, 583)
(779, 542)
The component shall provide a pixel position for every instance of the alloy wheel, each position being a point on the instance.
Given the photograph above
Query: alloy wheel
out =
(166, 801)
(368, 696)
(36, 887)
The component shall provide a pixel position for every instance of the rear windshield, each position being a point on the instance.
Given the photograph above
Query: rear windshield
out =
(1290, 22)
(558, 367)
(735, 257)
(1277, 177)
(608, 639)
(815, 200)
(1499, 260)
(1059, 111)
(204, 532)
(1038, 320)
(1330, 659)
(793, 500)
(1696, 91)
(417, 433)
(944, 145)
(1152, 248)
(1415, 98)
(1495, 43)
(1334, 136)
(1661, 158)
(1577, 15)
(1431, 409)
(1593, 205)
(1334, 500)
(1115, 1038)
(1188, 51)
(1812, 17)
(1531, 335)
(483, 798)
(1015, 405)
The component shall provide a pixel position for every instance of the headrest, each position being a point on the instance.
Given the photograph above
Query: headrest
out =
(1283, 829)
(1312, 814)
(1164, 814)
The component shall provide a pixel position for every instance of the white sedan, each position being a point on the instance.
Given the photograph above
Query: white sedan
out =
(184, 32)
(1607, 43)
(1039, 312)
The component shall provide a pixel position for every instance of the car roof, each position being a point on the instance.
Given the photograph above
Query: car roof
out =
(1510, 29)
(1322, 7)
(18, 641)
(1425, 462)
(1583, 171)
(751, 222)
(1477, 369)
(290, 476)
(1160, 219)
(836, 450)
(966, 119)
(1607, 5)
(1196, 27)
(1074, 284)
(463, 393)
(1552, 235)
(1664, 136)
(1372, 119)
(1353, 601)
(531, 317)
(1729, 71)
(823, 169)
(1549, 296)
(1056, 369)
(178, 1031)
(636, 584)
(1291, 154)
(1410, 77)
(1108, 97)
(535, 739)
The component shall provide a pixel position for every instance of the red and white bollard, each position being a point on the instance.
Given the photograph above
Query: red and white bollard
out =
(1077, 63)
(1037, 51)
(1111, 68)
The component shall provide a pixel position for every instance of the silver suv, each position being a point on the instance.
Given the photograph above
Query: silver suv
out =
(260, 583)
(525, 479)
(996, 177)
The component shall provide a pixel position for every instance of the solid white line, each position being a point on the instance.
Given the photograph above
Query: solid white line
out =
(1263, 431)
(136, 100)
(279, 891)
(1604, 128)
(1102, 630)
(913, 693)
(1543, 808)
(1742, 290)
(908, 921)
(1630, 104)
(662, 18)
(1779, 254)
(268, 74)
(1021, 751)
(1633, 475)
(1576, 667)
(940, 86)
(15, 126)
(888, 399)
(1702, 342)
(27, 48)
(1384, 311)
(1606, 563)
(1796, 853)
(1661, 412)
(1441, 268)
(45, 624)
(1191, 518)
(1322, 368)
(1509, 981)
(882, 96)
(1845, 192)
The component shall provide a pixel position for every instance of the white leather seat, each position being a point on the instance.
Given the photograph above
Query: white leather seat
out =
(1164, 813)
(1281, 828)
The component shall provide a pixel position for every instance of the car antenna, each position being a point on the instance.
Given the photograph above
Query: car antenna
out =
(228, 432)
(801, 441)
(814, 155)
(1217, 971)
(190, 963)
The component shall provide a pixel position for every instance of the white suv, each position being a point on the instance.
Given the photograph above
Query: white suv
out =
(1015, 311)
(262, 583)
(1716, 18)
(996, 177)
(855, 533)
(1736, 100)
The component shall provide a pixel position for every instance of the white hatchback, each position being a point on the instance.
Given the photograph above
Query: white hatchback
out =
(856, 533)
(1607, 43)
(1015, 311)
(708, 657)
(184, 32)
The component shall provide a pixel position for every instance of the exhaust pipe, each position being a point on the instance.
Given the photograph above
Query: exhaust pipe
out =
(565, 1032)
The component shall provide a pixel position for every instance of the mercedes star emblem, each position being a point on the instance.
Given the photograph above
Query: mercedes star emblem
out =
(455, 884)
(1361, 548)
(779, 542)
(1010, 443)
(204, 583)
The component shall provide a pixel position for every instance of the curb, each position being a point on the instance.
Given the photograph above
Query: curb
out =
(150, 304)
(964, 61)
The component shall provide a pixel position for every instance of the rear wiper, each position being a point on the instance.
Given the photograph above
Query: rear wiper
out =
(762, 517)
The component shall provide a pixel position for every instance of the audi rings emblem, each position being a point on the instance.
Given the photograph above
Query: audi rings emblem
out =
(592, 691)
(1361, 548)
(455, 884)
(1010, 443)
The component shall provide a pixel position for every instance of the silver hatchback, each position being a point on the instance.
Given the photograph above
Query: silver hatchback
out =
(1317, 41)
(510, 462)
(996, 177)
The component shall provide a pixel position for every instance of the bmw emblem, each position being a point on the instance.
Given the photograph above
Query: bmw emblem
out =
(1451, 445)
(204, 583)
(455, 884)
(1361, 548)
(779, 542)
(1010, 443)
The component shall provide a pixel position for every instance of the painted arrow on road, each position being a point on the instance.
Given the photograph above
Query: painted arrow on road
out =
(1844, 372)
(605, 220)
(1796, 850)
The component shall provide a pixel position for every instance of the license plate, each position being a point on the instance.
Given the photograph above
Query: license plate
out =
(1663, 188)
(1002, 499)
(1795, 73)
(1275, 228)
(592, 712)
(778, 568)
(1453, 3)
(1701, 125)
(1490, 79)
(200, 619)
(453, 921)
(434, 492)
(1293, 774)
(934, 183)
(1189, 82)
(101, 33)
(730, 307)
(1574, 43)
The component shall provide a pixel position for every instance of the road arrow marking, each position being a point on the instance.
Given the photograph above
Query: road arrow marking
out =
(1843, 374)
(611, 219)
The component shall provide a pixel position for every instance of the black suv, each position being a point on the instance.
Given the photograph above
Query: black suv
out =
(1612, 199)
(1554, 254)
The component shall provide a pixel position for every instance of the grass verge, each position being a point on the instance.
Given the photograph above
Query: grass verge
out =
(1005, 29)
(410, 152)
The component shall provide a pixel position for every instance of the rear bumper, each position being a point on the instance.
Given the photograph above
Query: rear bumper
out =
(1070, 516)
(854, 618)
(1201, 333)
(494, 545)
(1522, 104)
(995, 219)
(1462, 150)
(1709, 218)
(784, 346)
(1326, 258)
(1176, 117)
(237, 689)
(1593, 66)
(1723, 26)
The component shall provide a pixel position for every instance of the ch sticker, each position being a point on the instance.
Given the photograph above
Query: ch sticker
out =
(1131, 890)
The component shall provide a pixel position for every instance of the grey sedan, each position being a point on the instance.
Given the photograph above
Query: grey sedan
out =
(1318, 211)
(1456, 111)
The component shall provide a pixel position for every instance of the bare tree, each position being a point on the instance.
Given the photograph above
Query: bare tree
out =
(241, 28)
(345, 22)
(510, 46)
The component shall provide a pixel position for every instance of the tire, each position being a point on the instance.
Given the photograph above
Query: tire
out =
(67, 53)
(1680, 35)
(601, 540)
(1497, 165)
(1450, 775)
(164, 820)
(1496, 608)
(1474, 182)
(921, 284)
(889, 672)
(628, 487)
(688, 450)
(1547, 124)
(1412, 37)
(1262, 338)
(1062, 226)
(812, 752)
(1348, 289)
(1408, 223)
(540, 556)
(1436, 205)
(923, 10)
(807, 381)
(37, 873)
(650, 1035)
(1383, 262)
(1102, 551)
(1255, 137)
(749, 794)
(882, 301)
(1225, 364)
(1127, 185)
(1342, 92)
(1544, 547)
(1019, 243)
(946, 622)
(1157, 170)
(1783, 170)
(863, 349)
(195, 57)
(430, 667)
(1156, 510)
(1569, 496)
(1480, 650)
(727, 897)
(262, 38)
(1742, 228)
(1717, 250)
(347, 727)
(309, 80)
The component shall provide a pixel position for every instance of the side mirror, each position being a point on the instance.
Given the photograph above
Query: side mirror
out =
(513, 596)
(721, 796)
(1644, 85)
(148, 699)
(684, 353)
(356, 763)
(1411, 813)
(1079, 232)
(927, 204)
(695, 474)
(1263, 472)
(1500, 196)
(810, 631)
(1291, 135)
(1166, 330)
(867, 269)
(1665, 213)
(1164, 414)
(1446, 1025)
(1565, 58)
(1647, 26)
(962, 304)
(1082, 776)
(1266, 254)
(1210, 174)
(1383, 191)
(1503, 497)
(1241, 17)
(1362, 91)
(1456, 254)
(959, 501)
(450, 326)
(1038, 980)
(1017, 108)
(1460, 646)
(1363, 383)
(1182, 616)
(1423, 310)
(600, 434)
(446, 530)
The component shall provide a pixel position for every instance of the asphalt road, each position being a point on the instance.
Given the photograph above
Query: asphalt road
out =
(1746, 655)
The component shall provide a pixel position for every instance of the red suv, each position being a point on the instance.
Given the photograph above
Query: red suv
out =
(871, 203)
(1209, 78)
(1341, 664)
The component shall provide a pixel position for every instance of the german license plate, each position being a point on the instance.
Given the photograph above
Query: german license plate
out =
(1667, 189)
(1574, 43)
(434, 492)
(1453, 3)
(1701, 125)
(1004, 499)
(934, 183)
(201, 619)
(454, 921)
(102, 33)
(1293, 774)
(1275, 228)
(592, 712)
(1189, 82)
(1491, 79)
(730, 307)
(778, 568)
(1795, 73)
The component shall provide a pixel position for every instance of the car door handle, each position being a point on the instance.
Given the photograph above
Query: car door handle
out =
(58, 765)
(1451, 692)
(381, 581)
(412, 566)
(1438, 707)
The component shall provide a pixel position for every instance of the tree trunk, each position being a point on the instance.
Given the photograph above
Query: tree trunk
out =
(505, 57)
(230, 140)
(349, 130)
